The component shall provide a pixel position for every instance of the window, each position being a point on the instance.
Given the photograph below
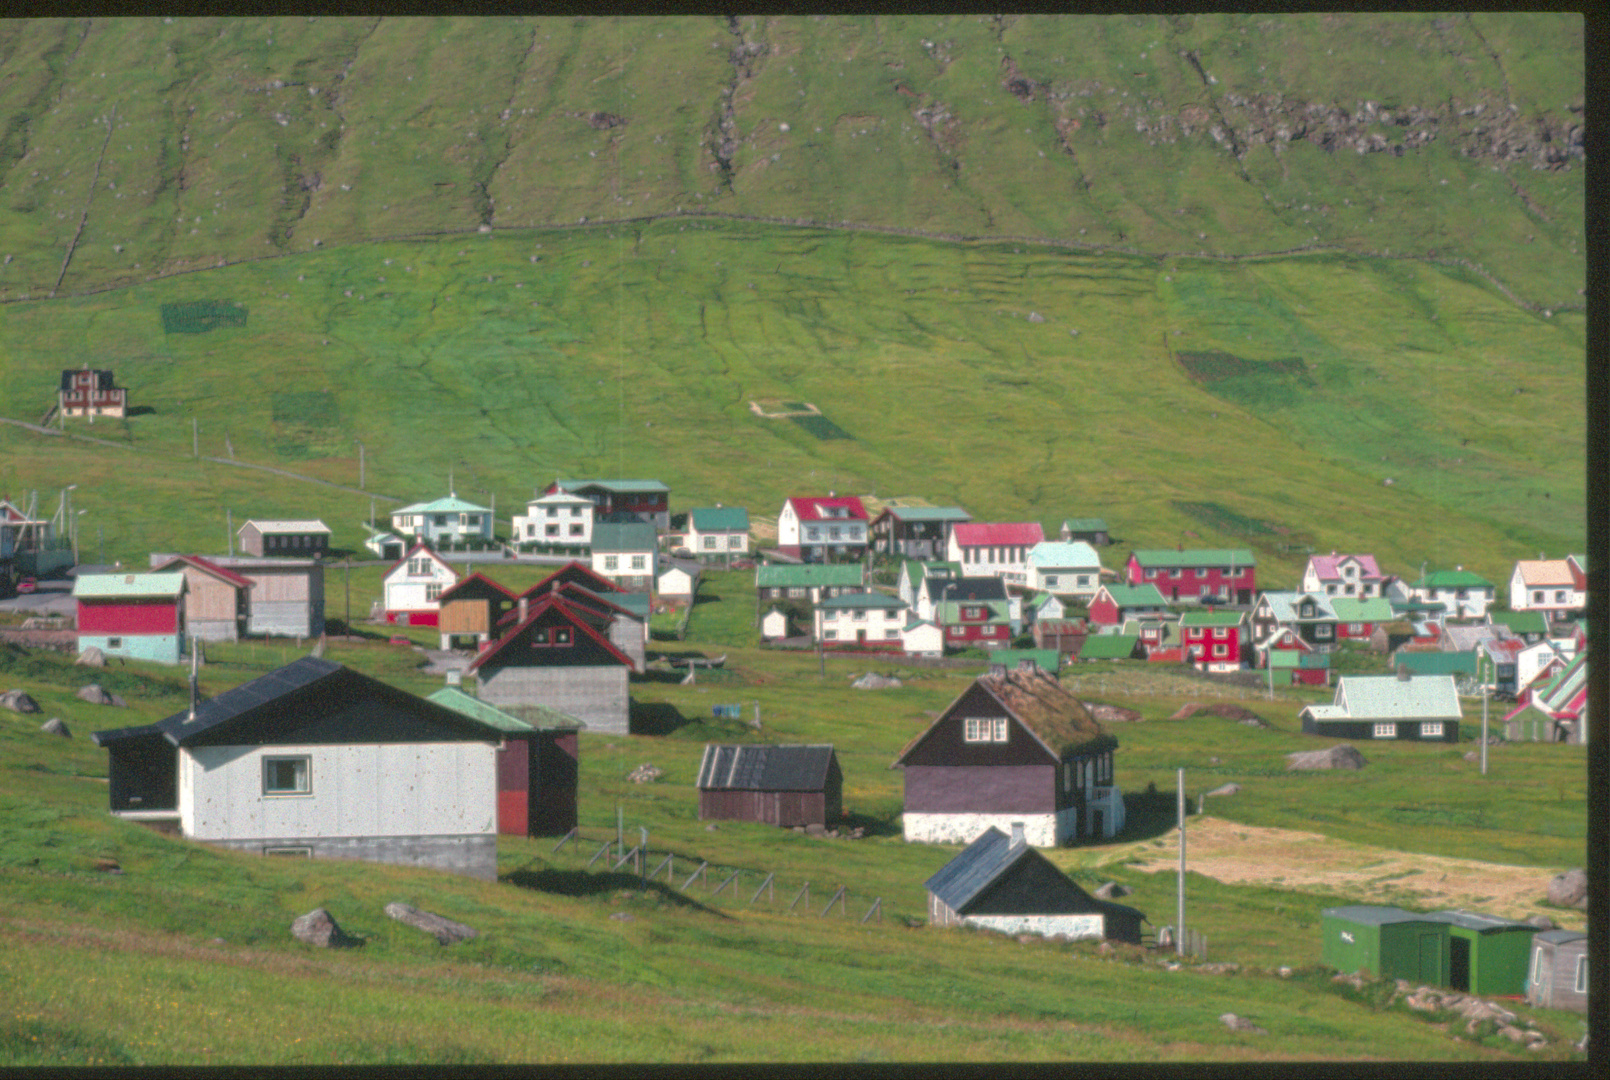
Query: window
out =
(985, 729)
(612, 562)
(1083, 579)
(1355, 628)
(287, 775)
(796, 592)
(419, 566)
(551, 530)
(860, 615)
(735, 543)
(1582, 974)
(1174, 573)
(441, 520)
(1559, 596)
(709, 543)
(1221, 651)
(1221, 633)
(1386, 731)
(1350, 590)
(812, 532)
(1431, 729)
(530, 529)
(561, 635)
(1322, 631)
(891, 633)
(290, 852)
(578, 530)
(1537, 596)
(830, 635)
(1050, 580)
(639, 562)
(833, 532)
(114, 643)
(575, 511)
(433, 591)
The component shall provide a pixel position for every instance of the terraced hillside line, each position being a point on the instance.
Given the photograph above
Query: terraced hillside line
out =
(89, 197)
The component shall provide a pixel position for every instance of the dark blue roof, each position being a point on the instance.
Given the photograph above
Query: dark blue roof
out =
(972, 871)
(731, 767)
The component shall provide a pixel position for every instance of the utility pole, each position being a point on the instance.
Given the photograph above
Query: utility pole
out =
(195, 438)
(229, 530)
(360, 463)
(1484, 731)
(1179, 929)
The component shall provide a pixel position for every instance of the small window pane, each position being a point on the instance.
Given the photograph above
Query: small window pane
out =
(286, 776)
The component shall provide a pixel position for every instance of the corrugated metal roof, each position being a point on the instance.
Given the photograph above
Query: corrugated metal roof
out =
(1092, 525)
(966, 588)
(1436, 663)
(1195, 557)
(1352, 609)
(1329, 567)
(619, 487)
(1386, 697)
(453, 698)
(974, 868)
(286, 526)
(1005, 533)
(1055, 553)
(1452, 579)
(719, 519)
(1286, 607)
(1374, 914)
(862, 600)
(623, 536)
(1212, 618)
(808, 575)
(130, 585)
(928, 513)
(1471, 920)
(207, 566)
(788, 767)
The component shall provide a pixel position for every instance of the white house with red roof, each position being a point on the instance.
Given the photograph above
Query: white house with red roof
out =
(414, 586)
(559, 655)
(1344, 575)
(995, 549)
(1556, 587)
(831, 528)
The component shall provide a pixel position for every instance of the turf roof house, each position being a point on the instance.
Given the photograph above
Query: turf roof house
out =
(1355, 576)
(444, 522)
(1068, 569)
(1464, 595)
(995, 549)
(1556, 587)
(869, 620)
(788, 786)
(718, 532)
(90, 393)
(999, 882)
(559, 522)
(646, 501)
(1013, 747)
(138, 616)
(217, 599)
(537, 764)
(414, 586)
(306, 539)
(1423, 708)
(627, 553)
(558, 654)
(818, 529)
(1189, 574)
(317, 760)
(915, 532)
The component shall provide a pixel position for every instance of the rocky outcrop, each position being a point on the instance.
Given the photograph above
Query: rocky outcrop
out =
(1337, 757)
(19, 702)
(1569, 889)
(319, 928)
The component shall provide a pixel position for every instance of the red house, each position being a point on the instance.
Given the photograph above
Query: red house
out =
(642, 500)
(1195, 574)
(90, 393)
(1113, 605)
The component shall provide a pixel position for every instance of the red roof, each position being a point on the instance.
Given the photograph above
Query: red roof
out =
(210, 567)
(571, 616)
(812, 507)
(1004, 534)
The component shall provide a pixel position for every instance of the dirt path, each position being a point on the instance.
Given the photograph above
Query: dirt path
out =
(1237, 854)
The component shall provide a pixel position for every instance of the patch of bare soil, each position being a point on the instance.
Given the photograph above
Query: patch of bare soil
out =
(1286, 858)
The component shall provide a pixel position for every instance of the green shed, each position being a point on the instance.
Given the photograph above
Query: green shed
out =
(1385, 942)
(1486, 954)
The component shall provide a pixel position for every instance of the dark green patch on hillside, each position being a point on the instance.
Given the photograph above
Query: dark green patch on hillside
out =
(821, 427)
(1217, 366)
(1226, 520)
(200, 316)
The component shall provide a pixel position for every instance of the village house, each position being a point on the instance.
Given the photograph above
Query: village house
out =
(869, 620)
(90, 393)
(1192, 575)
(1043, 607)
(1113, 605)
(1213, 639)
(1419, 708)
(1068, 569)
(1557, 588)
(788, 786)
(985, 624)
(287, 594)
(814, 529)
(645, 501)
(810, 583)
(1311, 614)
(1112, 647)
(1001, 883)
(922, 637)
(561, 523)
(936, 589)
(1092, 531)
(1354, 576)
(995, 549)
(447, 522)
(316, 760)
(1557, 977)
(1014, 746)
(1464, 595)
(471, 607)
(1298, 667)
(626, 613)
(627, 553)
(537, 763)
(1530, 626)
(138, 616)
(1356, 620)
(678, 583)
(1066, 636)
(413, 588)
(912, 573)
(915, 532)
(1554, 709)
(217, 601)
(717, 533)
(306, 539)
(558, 654)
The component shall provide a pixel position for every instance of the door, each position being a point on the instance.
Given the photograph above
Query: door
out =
(1096, 822)
(1459, 963)
(1431, 959)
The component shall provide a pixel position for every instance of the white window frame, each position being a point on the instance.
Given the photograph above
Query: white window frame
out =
(707, 542)
(433, 591)
(1431, 729)
(302, 779)
(612, 562)
(1385, 730)
(639, 562)
(984, 729)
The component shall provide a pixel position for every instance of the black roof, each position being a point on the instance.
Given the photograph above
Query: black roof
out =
(968, 588)
(310, 700)
(728, 767)
(103, 379)
(985, 861)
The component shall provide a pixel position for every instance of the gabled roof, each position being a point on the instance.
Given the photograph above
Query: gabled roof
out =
(1329, 567)
(1170, 557)
(292, 703)
(1055, 553)
(707, 519)
(1285, 606)
(1374, 914)
(310, 525)
(915, 570)
(948, 612)
(623, 536)
(732, 767)
(1352, 609)
(1128, 596)
(1452, 579)
(1436, 663)
(574, 571)
(1293, 658)
(97, 586)
(448, 504)
(581, 620)
(926, 513)
(1212, 618)
(451, 697)
(1108, 646)
(615, 487)
(808, 575)
(1485, 924)
(1387, 697)
(1090, 525)
(559, 498)
(863, 601)
(987, 587)
(418, 546)
(206, 566)
(815, 508)
(1056, 719)
(1462, 638)
(1002, 533)
(477, 586)
(1546, 573)
(967, 877)
(1520, 622)
(1561, 692)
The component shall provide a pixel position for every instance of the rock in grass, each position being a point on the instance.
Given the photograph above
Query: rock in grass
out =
(54, 726)
(95, 695)
(1241, 1023)
(1569, 889)
(91, 657)
(446, 931)
(319, 928)
(1112, 890)
(19, 702)
(1337, 757)
(1226, 789)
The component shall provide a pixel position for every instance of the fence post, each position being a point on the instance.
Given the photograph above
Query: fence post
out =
(730, 879)
(837, 898)
(877, 906)
(601, 853)
(624, 859)
(764, 885)
(702, 867)
(569, 836)
(805, 891)
(670, 875)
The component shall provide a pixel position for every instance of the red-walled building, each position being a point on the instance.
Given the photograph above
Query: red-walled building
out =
(645, 500)
(138, 616)
(1192, 574)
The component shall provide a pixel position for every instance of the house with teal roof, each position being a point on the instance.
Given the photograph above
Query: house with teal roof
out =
(138, 616)
(446, 522)
(718, 532)
(1068, 569)
(626, 553)
(1357, 618)
(809, 582)
(1417, 708)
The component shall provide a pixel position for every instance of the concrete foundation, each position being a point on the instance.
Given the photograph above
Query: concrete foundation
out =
(474, 855)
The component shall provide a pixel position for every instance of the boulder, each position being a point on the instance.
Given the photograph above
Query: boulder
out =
(1114, 714)
(446, 931)
(1241, 1023)
(91, 657)
(873, 681)
(645, 773)
(1112, 890)
(54, 726)
(19, 702)
(1336, 757)
(97, 696)
(619, 916)
(815, 829)
(1569, 889)
(1226, 789)
(319, 928)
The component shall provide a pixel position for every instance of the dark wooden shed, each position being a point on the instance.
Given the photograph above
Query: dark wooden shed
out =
(777, 785)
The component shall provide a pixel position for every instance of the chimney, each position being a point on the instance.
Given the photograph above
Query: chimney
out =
(997, 671)
(1017, 834)
(1403, 673)
(524, 603)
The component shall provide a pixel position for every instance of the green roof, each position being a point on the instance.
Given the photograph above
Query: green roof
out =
(1352, 609)
(1194, 557)
(453, 698)
(1522, 622)
(623, 536)
(1452, 579)
(928, 513)
(1085, 524)
(1108, 647)
(1438, 663)
(1047, 659)
(862, 600)
(720, 519)
(1136, 595)
(450, 504)
(1211, 618)
(948, 611)
(1295, 658)
(166, 585)
(807, 575)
